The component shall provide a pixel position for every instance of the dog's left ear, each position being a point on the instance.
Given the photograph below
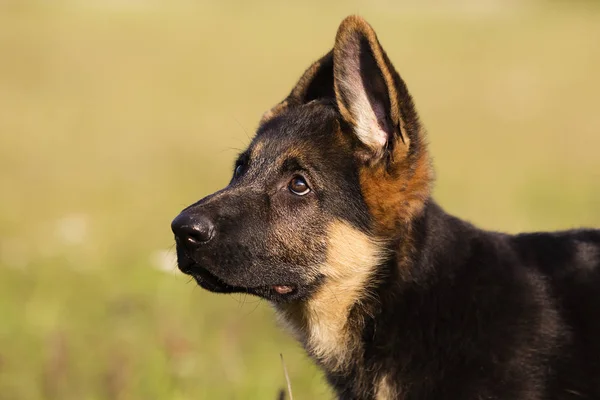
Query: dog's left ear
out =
(316, 83)
(366, 88)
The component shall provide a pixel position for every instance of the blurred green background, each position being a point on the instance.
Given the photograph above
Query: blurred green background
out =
(114, 115)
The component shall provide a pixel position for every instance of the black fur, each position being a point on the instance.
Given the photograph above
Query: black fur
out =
(486, 316)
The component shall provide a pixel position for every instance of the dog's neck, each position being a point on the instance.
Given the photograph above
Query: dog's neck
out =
(330, 322)
(333, 323)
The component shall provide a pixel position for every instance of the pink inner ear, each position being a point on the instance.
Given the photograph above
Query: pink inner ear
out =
(368, 116)
(381, 119)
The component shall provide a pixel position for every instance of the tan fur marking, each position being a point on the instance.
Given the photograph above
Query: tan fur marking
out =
(384, 390)
(257, 148)
(321, 322)
(397, 193)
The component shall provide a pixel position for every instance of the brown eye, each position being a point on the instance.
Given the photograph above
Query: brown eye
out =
(238, 171)
(299, 186)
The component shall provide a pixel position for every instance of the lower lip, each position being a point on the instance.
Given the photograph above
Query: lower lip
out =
(279, 289)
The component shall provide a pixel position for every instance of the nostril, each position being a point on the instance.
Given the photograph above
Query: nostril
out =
(199, 233)
(193, 230)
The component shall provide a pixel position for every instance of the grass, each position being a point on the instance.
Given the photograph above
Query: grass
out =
(114, 116)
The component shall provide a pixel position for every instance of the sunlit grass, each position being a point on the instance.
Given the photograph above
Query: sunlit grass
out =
(114, 118)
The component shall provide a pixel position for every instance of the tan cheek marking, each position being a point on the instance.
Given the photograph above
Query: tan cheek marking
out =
(385, 391)
(256, 149)
(321, 322)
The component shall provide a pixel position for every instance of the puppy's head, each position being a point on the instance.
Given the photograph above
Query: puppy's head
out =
(334, 171)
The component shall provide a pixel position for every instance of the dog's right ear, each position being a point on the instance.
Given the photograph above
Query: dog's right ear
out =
(315, 83)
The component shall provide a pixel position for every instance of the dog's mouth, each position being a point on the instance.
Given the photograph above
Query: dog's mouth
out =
(213, 283)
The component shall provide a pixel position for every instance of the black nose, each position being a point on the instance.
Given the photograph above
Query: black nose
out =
(192, 230)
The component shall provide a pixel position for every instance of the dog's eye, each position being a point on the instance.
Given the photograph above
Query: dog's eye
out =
(299, 186)
(239, 170)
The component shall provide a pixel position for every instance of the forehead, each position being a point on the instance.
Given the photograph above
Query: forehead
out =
(308, 131)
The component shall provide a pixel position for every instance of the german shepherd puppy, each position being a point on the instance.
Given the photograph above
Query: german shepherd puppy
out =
(329, 217)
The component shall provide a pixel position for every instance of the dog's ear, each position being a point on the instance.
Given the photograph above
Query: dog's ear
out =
(367, 88)
(316, 83)
(376, 106)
